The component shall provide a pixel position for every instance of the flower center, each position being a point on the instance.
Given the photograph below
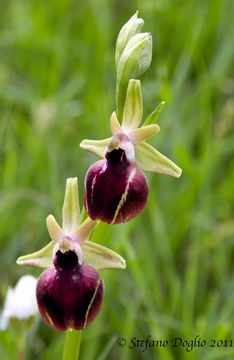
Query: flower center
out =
(116, 156)
(66, 260)
(119, 144)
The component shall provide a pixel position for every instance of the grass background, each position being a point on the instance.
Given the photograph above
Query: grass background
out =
(57, 87)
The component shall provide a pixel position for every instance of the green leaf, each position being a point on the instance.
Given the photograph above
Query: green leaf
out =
(101, 257)
(150, 159)
(41, 258)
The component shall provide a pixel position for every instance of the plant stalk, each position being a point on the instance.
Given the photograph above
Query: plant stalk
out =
(72, 345)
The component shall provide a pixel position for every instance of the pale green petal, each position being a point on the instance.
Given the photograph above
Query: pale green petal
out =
(55, 231)
(84, 230)
(71, 207)
(153, 117)
(101, 257)
(149, 159)
(114, 124)
(41, 258)
(133, 108)
(98, 147)
(139, 135)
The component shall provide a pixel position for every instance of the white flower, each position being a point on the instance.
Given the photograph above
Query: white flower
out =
(20, 301)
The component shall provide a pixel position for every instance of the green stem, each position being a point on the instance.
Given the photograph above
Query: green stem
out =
(21, 345)
(72, 345)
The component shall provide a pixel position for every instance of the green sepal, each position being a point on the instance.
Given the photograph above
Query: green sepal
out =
(150, 159)
(133, 107)
(41, 258)
(71, 207)
(98, 147)
(101, 257)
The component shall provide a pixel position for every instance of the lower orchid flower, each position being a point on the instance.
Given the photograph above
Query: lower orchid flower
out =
(70, 292)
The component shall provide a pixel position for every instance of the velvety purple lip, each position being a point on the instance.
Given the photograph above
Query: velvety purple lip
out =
(116, 190)
(69, 295)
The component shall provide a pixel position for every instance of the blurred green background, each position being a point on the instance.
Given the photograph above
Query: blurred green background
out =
(57, 87)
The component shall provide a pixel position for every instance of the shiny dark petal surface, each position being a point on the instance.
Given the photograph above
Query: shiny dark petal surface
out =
(116, 191)
(70, 297)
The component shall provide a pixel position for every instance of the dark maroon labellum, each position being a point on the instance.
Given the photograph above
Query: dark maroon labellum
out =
(116, 190)
(69, 295)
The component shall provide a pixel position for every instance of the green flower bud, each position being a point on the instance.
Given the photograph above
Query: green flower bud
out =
(131, 28)
(134, 61)
(137, 55)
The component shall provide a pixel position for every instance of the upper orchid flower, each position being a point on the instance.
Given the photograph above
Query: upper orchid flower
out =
(70, 291)
(116, 189)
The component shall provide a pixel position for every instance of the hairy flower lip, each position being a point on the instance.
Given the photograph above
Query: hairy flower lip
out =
(115, 190)
(71, 298)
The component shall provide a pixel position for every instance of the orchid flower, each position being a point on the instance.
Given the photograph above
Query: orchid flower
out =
(70, 291)
(128, 140)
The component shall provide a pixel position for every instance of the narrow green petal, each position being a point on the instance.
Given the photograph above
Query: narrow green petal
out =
(153, 117)
(101, 257)
(84, 230)
(98, 147)
(149, 159)
(71, 207)
(41, 258)
(114, 124)
(139, 135)
(133, 108)
(55, 231)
